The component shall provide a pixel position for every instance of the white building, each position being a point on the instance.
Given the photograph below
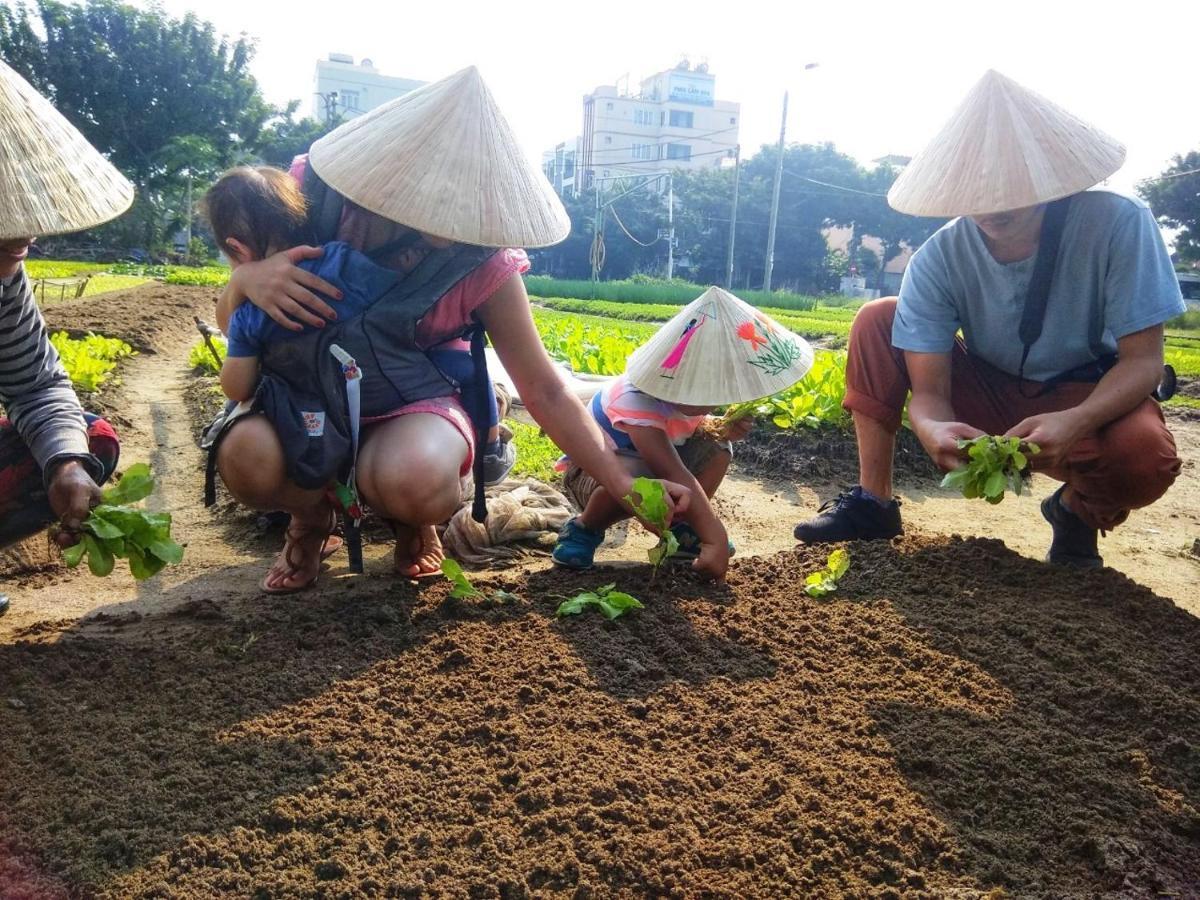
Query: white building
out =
(673, 121)
(344, 89)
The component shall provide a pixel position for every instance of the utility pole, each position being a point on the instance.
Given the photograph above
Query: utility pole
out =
(775, 199)
(670, 227)
(597, 240)
(737, 170)
(188, 227)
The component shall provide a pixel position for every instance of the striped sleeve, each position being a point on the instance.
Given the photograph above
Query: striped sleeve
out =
(34, 387)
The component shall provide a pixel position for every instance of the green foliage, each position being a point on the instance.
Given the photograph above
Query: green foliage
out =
(89, 361)
(814, 401)
(56, 268)
(592, 346)
(649, 500)
(1175, 198)
(201, 276)
(116, 530)
(611, 602)
(993, 463)
(819, 584)
(676, 293)
(536, 453)
(1188, 321)
(200, 357)
(1184, 357)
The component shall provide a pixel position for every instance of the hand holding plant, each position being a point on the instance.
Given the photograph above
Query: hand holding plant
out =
(993, 464)
(649, 501)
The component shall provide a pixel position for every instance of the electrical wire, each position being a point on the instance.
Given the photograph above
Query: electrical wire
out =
(834, 186)
(617, 219)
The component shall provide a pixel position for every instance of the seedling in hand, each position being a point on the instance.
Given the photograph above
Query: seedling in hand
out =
(611, 602)
(115, 530)
(649, 501)
(993, 464)
(825, 582)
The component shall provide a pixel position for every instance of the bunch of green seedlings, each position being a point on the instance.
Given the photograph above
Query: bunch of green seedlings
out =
(116, 530)
(993, 464)
(649, 501)
(611, 602)
(463, 589)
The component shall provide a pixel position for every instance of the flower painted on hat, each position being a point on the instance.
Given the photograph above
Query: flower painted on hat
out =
(747, 332)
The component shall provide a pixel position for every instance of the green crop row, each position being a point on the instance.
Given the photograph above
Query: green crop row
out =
(89, 361)
(675, 292)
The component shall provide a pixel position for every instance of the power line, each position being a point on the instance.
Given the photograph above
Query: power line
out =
(1175, 175)
(621, 224)
(661, 143)
(612, 164)
(838, 187)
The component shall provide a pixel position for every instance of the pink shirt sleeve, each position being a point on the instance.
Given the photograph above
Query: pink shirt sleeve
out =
(453, 312)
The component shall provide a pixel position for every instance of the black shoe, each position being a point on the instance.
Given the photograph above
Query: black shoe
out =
(1074, 544)
(851, 517)
(3, 604)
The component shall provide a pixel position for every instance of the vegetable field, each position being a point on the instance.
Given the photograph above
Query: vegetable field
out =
(941, 715)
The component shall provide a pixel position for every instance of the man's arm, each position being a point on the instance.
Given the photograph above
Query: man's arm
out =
(930, 410)
(1123, 387)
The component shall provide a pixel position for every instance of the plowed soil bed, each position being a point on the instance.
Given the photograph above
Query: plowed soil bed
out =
(955, 720)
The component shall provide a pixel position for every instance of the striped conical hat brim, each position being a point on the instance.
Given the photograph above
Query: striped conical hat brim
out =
(52, 181)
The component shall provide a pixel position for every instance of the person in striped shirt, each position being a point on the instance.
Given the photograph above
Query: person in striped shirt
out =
(52, 457)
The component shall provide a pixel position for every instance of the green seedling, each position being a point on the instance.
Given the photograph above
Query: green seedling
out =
(825, 582)
(611, 602)
(993, 464)
(116, 530)
(649, 501)
(463, 589)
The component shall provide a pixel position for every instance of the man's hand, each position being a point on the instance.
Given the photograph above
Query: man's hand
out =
(72, 495)
(713, 561)
(1055, 433)
(940, 440)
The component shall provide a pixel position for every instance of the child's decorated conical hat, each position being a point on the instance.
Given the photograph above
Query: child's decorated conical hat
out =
(1004, 148)
(719, 350)
(443, 160)
(52, 181)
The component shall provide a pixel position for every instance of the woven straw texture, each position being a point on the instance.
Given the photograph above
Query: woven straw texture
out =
(719, 350)
(443, 160)
(52, 181)
(1004, 148)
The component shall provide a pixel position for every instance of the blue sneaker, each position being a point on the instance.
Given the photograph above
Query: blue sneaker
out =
(576, 547)
(689, 542)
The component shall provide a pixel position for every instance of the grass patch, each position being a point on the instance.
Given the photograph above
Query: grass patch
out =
(676, 293)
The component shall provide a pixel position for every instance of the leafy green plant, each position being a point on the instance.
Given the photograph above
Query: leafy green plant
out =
(818, 584)
(202, 276)
(462, 585)
(611, 602)
(993, 464)
(200, 357)
(649, 501)
(89, 361)
(116, 530)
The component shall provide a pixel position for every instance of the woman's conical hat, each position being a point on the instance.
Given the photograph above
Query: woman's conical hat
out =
(1004, 148)
(718, 350)
(52, 181)
(443, 160)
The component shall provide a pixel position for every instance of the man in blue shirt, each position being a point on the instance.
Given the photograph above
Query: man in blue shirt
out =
(1081, 389)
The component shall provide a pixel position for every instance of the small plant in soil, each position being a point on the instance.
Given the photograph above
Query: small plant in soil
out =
(611, 602)
(649, 501)
(116, 530)
(463, 589)
(818, 584)
(993, 464)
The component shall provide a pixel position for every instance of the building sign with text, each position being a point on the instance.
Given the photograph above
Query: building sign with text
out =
(688, 88)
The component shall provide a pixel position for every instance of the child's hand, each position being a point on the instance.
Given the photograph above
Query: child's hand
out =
(738, 429)
(713, 560)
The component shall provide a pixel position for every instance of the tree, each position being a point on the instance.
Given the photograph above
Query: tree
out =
(135, 81)
(285, 137)
(895, 230)
(1175, 198)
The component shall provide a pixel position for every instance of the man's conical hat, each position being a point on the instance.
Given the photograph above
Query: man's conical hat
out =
(1004, 148)
(52, 181)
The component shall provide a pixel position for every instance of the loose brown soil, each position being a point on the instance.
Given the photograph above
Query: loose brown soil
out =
(958, 720)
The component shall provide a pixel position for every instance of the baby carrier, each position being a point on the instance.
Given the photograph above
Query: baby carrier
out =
(316, 387)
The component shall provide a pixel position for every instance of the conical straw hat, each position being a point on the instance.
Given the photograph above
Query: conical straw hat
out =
(52, 181)
(718, 350)
(443, 160)
(1004, 148)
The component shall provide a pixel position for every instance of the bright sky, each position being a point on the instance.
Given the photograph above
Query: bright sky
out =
(889, 73)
